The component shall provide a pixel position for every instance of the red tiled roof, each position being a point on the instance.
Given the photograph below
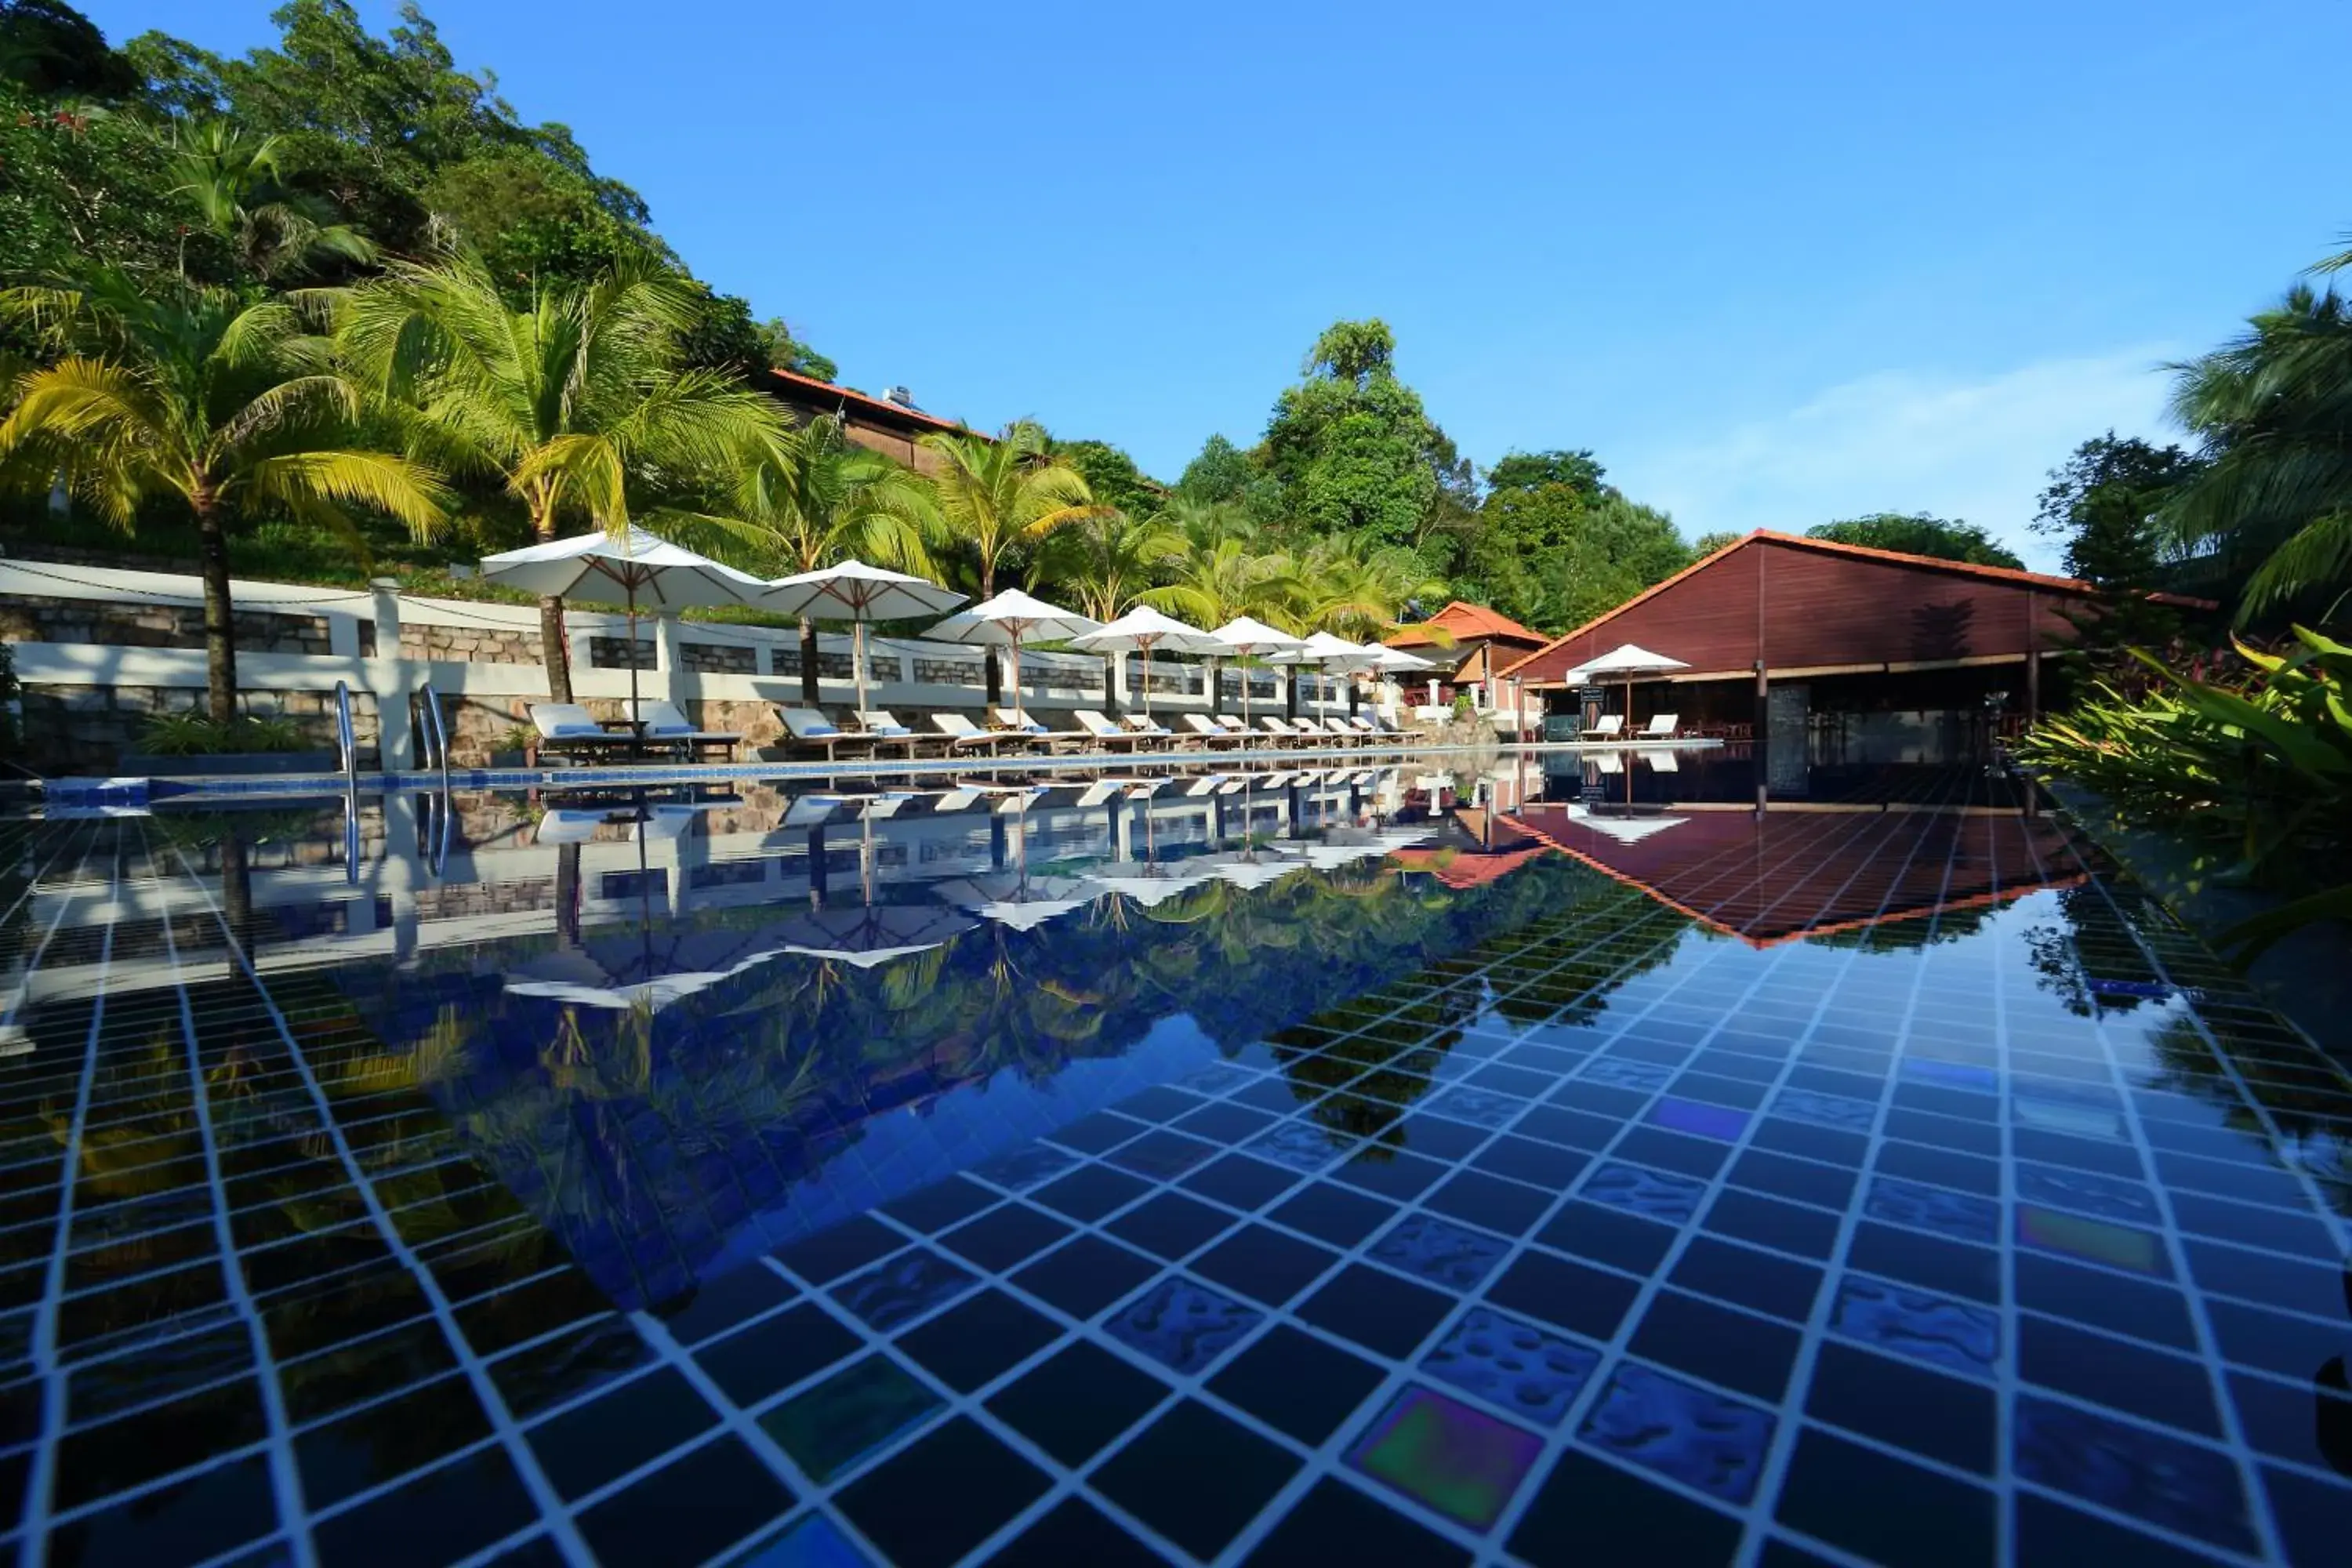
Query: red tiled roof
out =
(863, 403)
(1833, 547)
(1466, 620)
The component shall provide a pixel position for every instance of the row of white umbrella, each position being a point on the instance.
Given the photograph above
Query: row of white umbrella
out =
(634, 567)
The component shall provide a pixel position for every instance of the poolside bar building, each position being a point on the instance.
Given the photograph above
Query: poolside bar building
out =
(1845, 654)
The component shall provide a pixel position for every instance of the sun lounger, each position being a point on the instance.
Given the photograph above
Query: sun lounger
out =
(882, 727)
(1362, 725)
(1605, 729)
(1284, 735)
(569, 730)
(964, 736)
(1210, 733)
(665, 722)
(1020, 727)
(1103, 733)
(809, 730)
(1661, 727)
(1150, 729)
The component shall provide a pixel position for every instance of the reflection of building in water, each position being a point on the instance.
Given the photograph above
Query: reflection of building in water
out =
(1812, 871)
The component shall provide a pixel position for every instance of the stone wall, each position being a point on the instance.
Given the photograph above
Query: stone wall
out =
(24, 618)
(719, 658)
(86, 729)
(467, 644)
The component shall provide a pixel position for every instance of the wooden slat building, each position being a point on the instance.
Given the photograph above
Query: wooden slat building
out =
(1846, 632)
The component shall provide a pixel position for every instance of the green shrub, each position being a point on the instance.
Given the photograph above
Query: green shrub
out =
(194, 734)
(2267, 766)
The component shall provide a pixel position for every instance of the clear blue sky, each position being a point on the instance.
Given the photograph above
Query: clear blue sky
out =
(1773, 264)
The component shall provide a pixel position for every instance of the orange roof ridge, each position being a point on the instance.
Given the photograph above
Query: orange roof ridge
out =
(851, 394)
(1833, 547)
(1468, 619)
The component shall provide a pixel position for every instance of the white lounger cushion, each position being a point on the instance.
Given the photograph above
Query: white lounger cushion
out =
(808, 725)
(564, 721)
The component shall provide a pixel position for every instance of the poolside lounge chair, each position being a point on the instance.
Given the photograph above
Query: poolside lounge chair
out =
(568, 728)
(1361, 726)
(1231, 725)
(1025, 727)
(1150, 729)
(807, 730)
(1604, 729)
(1284, 735)
(882, 727)
(963, 736)
(667, 723)
(1661, 727)
(1103, 733)
(1337, 728)
(1210, 733)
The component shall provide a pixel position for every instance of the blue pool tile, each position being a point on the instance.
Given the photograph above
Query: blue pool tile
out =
(1440, 1251)
(1031, 1167)
(1702, 1439)
(2136, 1470)
(1651, 1193)
(1299, 1145)
(1184, 1325)
(1917, 1323)
(2085, 1192)
(1946, 1213)
(1619, 1073)
(1697, 1116)
(904, 1288)
(1479, 1106)
(814, 1542)
(1531, 1372)
(1827, 1110)
(1952, 1074)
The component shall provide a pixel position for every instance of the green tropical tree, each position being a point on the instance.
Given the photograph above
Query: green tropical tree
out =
(235, 182)
(1360, 594)
(1102, 562)
(1947, 539)
(2274, 409)
(1211, 586)
(993, 500)
(193, 395)
(808, 500)
(569, 401)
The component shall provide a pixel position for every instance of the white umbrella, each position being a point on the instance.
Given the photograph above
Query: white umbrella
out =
(1396, 661)
(1007, 618)
(1249, 638)
(1626, 659)
(853, 591)
(1144, 628)
(872, 934)
(609, 568)
(1331, 651)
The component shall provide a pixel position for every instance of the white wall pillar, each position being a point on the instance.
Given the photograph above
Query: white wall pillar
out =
(389, 679)
(666, 656)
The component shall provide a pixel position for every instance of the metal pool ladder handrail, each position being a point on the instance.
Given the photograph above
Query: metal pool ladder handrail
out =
(344, 739)
(437, 733)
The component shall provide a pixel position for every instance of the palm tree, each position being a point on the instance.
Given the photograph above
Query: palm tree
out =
(566, 401)
(235, 182)
(1227, 579)
(1360, 596)
(1106, 560)
(2275, 407)
(992, 499)
(808, 500)
(234, 409)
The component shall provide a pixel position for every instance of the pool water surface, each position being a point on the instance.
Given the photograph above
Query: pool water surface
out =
(1391, 1165)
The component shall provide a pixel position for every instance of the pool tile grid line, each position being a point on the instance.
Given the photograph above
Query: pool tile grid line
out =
(1659, 1002)
(485, 1392)
(1781, 1453)
(1755, 1518)
(2241, 1451)
(34, 1525)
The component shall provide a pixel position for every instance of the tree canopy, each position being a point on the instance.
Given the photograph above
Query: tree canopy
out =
(1917, 534)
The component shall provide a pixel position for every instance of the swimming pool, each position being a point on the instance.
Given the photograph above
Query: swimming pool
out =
(1388, 1164)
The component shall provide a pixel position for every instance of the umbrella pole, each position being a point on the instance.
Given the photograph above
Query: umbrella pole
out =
(1020, 704)
(636, 714)
(857, 652)
(1146, 678)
